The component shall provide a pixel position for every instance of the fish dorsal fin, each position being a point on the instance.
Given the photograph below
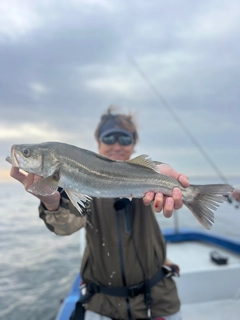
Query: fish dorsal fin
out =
(145, 161)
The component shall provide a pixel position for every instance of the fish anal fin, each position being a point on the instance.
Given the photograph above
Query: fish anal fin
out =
(46, 186)
(145, 161)
(78, 199)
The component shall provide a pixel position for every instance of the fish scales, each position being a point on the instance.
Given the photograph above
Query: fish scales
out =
(128, 176)
(112, 183)
(84, 174)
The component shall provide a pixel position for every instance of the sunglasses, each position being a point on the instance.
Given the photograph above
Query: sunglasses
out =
(122, 139)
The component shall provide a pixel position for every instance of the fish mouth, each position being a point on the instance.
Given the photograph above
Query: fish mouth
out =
(17, 160)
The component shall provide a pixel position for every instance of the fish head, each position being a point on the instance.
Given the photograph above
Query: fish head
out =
(33, 158)
(26, 157)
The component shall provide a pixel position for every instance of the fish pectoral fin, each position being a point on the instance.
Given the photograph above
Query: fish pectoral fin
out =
(45, 187)
(145, 161)
(78, 200)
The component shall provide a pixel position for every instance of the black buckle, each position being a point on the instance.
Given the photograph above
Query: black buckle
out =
(170, 271)
(133, 291)
(92, 288)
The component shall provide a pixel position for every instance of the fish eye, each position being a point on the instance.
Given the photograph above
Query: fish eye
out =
(26, 152)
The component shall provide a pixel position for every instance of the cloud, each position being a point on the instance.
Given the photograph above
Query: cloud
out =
(33, 132)
(17, 19)
(38, 90)
(63, 63)
(215, 21)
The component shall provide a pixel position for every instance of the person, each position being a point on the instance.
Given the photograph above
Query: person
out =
(125, 250)
(236, 194)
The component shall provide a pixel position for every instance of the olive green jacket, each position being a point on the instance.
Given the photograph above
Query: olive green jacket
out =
(136, 233)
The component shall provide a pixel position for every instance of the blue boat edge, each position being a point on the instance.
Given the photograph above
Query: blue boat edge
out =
(170, 235)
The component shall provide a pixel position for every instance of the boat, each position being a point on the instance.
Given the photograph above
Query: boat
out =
(209, 282)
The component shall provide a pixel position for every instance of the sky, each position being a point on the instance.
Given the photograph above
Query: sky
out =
(173, 64)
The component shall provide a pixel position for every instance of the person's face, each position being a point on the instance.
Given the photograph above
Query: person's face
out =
(116, 151)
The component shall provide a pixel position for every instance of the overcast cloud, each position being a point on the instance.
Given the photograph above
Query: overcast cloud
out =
(62, 63)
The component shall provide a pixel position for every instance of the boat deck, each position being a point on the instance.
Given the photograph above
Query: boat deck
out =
(207, 290)
(196, 255)
(213, 310)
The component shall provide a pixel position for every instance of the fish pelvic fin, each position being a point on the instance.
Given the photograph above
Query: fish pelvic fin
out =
(46, 186)
(207, 198)
(78, 200)
(145, 161)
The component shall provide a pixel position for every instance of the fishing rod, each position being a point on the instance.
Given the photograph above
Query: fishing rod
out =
(179, 121)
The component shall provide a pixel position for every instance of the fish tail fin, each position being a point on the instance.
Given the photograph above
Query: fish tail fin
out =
(206, 199)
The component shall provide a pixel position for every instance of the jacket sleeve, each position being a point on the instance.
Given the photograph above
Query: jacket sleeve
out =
(64, 221)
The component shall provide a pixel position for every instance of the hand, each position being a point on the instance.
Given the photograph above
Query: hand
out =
(165, 203)
(236, 194)
(50, 202)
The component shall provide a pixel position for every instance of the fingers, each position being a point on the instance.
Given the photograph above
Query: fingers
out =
(16, 174)
(183, 180)
(172, 203)
(51, 202)
(158, 202)
(157, 198)
(165, 203)
(236, 194)
(26, 179)
(168, 207)
(177, 198)
(166, 169)
(148, 198)
(29, 180)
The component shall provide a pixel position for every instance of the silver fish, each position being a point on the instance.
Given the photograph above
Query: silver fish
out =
(84, 174)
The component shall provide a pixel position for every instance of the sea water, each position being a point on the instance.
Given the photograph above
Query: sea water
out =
(37, 267)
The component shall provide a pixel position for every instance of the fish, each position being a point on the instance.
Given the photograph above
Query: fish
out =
(84, 174)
